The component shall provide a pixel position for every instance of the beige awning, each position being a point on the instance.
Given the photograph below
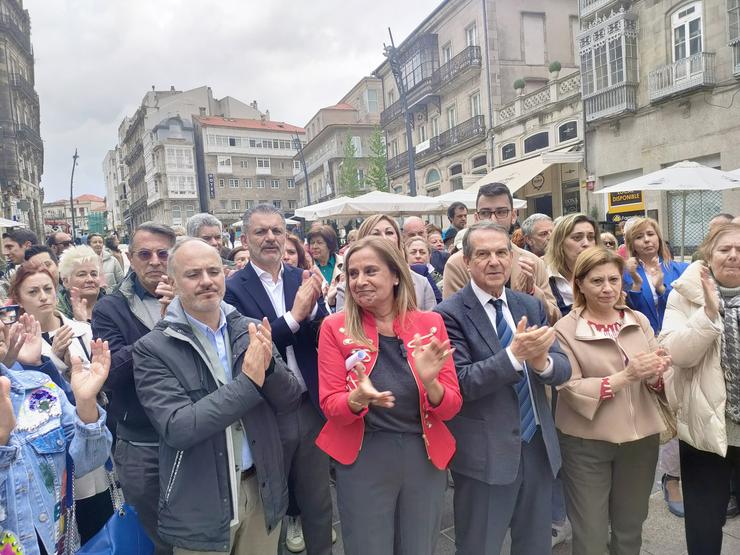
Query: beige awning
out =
(517, 175)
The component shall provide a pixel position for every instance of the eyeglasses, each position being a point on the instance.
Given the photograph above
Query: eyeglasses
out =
(486, 214)
(146, 254)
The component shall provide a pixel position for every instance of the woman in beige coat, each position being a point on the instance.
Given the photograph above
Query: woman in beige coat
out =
(700, 330)
(607, 415)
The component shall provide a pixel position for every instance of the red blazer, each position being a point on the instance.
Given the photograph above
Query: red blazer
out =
(341, 437)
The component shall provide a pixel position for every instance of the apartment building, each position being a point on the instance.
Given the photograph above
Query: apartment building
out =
(458, 66)
(659, 84)
(353, 118)
(90, 212)
(243, 162)
(21, 147)
(115, 186)
(539, 147)
(158, 150)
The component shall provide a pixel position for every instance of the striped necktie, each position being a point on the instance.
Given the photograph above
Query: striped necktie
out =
(527, 421)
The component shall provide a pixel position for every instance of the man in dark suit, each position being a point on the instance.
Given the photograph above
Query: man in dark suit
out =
(507, 449)
(289, 298)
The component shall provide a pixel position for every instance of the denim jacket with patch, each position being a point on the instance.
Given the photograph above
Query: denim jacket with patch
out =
(33, 463)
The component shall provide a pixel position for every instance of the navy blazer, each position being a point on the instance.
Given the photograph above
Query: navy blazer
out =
(245, 292)
(487, 427)
(438, 259)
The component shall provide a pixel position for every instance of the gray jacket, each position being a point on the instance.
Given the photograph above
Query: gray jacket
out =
(193, 414)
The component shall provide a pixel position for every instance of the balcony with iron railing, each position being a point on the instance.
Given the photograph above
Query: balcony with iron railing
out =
(29, 134)
(610, 101)
(134, 153)
(9, 26)
(590, 7)
(696, 71)
(22, 85)
(391, 113)
(459, 137)
(449, 74)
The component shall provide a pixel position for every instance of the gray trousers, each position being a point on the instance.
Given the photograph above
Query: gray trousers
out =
(307, 469)
(137, 467)
(608, 482)
(390, 499)
(484, 513)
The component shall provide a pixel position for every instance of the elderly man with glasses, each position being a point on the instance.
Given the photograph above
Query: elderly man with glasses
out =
(121, 319)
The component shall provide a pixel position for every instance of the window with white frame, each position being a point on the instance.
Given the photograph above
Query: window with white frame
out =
(434, 124)
(567, 131)
(248, 183)
(686, 31)
(181, 185)
(176, 214)
(179, 158)
(224, 164)
(446, 53)
(277, 204)
(422, 133)
(236, 204)
(248, 204)
(391, 97)
(292, 205)
(275, 183)
(475, 105)
(371, 100)
(538, 141)
(291, 183)
(263, 162)
(260, 183)
(244, 163)
(451, 117)
(296, 164)
(189, 210)
(733, 31)
(221, 182)
(609, 56)
(508, 151)
(233, 183)
(471, 35)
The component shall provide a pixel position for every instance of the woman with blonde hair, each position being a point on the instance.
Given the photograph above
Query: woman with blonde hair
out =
(607, 416)
(398, 416)
(386, 227)
(572, 235)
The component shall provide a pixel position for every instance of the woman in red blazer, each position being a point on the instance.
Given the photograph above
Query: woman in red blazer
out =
(385, 416)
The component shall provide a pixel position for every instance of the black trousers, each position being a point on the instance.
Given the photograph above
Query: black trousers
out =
(705, 478)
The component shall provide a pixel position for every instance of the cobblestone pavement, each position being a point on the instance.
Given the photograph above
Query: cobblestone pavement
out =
(663, 533)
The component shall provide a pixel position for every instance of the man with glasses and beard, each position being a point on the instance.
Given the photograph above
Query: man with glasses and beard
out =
(122, 318)
(528, 273)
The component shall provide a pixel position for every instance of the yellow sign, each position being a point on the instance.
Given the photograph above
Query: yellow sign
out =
(627, 201)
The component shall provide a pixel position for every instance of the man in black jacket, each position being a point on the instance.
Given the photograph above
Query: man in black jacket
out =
(121, 318)
(211, 381)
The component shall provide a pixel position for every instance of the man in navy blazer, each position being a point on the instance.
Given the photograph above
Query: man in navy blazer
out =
(290, 298)
(507, 448)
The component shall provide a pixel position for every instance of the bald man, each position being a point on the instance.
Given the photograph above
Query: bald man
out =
(414, 226)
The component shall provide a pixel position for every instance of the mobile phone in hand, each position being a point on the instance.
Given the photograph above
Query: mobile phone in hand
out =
(9, 314)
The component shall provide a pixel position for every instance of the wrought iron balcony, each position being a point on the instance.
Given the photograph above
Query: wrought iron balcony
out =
(611, 101)
(447, 75)
(135, 152)
(31, 135)
(589, 7)
(693, 72)
(7, 25)
(397, 165)
(21, 84)
(391, 113)
(460, 135)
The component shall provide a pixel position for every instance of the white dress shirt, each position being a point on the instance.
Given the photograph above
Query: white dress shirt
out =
(275, 292)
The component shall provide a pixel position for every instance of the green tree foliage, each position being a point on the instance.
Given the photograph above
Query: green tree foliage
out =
(349, 183)
(377, 178)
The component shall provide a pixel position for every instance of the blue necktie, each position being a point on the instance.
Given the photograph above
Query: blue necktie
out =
(527, 421)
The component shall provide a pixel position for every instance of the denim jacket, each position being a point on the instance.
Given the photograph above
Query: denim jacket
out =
(33, 463)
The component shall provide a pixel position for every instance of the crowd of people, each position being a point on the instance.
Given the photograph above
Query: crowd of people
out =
(540, 368)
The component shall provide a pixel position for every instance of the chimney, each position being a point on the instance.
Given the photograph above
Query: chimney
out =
(267, 115)
(172, 88)
(153, 88)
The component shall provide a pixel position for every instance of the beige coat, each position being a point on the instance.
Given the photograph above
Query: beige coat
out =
(456, 277)
(633, 412)
(697, 391)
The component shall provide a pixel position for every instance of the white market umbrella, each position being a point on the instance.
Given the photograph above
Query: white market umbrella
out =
(684, 176)
(374, 202)
(10, 223)
(319, 210)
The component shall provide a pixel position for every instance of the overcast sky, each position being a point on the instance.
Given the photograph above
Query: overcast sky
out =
(95, 60)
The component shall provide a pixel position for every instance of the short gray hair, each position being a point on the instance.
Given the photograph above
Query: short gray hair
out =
(482, 226)
(73, 257)
(204, 219)
(528, 224)
(155, 228)
(260, 209)
(181, 242)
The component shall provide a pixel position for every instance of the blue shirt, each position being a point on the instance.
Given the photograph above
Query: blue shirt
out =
(219, 340)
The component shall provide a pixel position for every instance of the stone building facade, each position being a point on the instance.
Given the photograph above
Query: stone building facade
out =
(244, 162)
(355, 116)
(659, 85)
(459, 65)
(21, 147)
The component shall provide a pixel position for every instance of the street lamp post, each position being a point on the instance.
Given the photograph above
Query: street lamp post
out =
(299, 147)
(391, 52)
(71, 193)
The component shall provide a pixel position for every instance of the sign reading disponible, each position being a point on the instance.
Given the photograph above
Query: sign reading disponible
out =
(626, 201)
